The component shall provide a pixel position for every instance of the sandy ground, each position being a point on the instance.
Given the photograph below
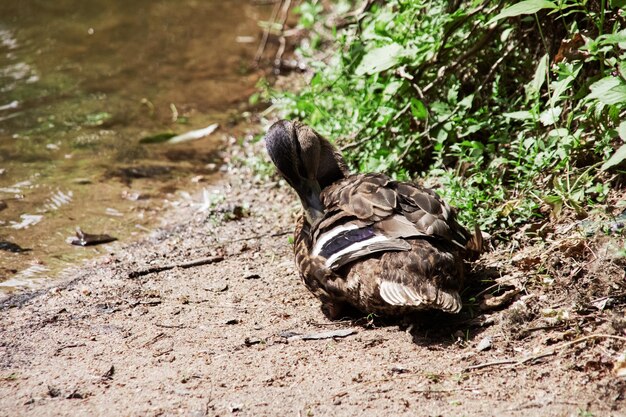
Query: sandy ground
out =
(226, 338)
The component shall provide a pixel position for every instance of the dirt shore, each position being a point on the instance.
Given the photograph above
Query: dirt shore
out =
(237, 333)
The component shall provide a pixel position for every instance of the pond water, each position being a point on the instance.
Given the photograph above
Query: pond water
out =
(81, 84)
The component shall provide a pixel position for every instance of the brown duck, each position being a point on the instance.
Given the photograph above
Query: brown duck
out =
(366, 241)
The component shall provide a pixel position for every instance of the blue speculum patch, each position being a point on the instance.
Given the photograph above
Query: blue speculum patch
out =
(345, 239)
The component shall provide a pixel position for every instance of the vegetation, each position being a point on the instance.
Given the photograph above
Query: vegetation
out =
(515, 109)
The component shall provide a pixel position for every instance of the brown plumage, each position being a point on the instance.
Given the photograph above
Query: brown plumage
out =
(367, 241)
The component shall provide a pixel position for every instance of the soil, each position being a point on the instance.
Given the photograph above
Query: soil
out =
(237, 333)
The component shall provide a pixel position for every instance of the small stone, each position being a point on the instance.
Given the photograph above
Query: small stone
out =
(252, 276)
(235, 407)
(220, 286)
(249, 341)
(484, 344)
(399, 369)
(53, 391)
(76, 395)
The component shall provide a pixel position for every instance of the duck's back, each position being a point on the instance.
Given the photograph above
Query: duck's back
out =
(383, 246)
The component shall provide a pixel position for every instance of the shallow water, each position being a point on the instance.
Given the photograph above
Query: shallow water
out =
(81, 83)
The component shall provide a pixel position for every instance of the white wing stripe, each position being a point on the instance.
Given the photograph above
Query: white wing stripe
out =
(325, 237)
(355, 247)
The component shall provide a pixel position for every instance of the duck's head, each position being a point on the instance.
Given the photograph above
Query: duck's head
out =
(306, 160)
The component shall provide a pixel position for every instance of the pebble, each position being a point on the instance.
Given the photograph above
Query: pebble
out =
(484, 344)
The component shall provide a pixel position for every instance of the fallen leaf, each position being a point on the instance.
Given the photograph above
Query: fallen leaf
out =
(490, 302)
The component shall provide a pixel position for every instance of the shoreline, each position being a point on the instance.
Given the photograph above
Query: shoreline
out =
(226, 337)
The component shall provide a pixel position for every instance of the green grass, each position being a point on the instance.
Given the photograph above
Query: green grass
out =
(470, 99)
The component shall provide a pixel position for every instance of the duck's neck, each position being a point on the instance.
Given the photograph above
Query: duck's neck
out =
(309, 194)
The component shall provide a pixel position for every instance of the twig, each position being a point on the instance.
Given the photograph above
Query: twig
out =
(157, 354)
(277, 234)
(498, 284)
(438, 391)
(171, 326)
(512, 46)
(547, 353)
(282, 41)
(357, 143)
(555, 350)
(457, 24)
(266, 33)
(488, 364)
(538, 328)
(597, 300)
(148, 303)
(60, 348)
(478, 46)
(154, 340)
(354, 16)
(189, 264)
(427, 132)
(334, 323)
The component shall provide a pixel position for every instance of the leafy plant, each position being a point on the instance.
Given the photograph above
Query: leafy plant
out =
(511, 112)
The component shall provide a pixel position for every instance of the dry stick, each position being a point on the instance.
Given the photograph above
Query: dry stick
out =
(282, 41)
(60, 348)
(189, 264)
(488, 364)
(367, 138)
(334, 323)
(266, 33)
(496, 285)
(259, 236)
(550, 352)
(354, 16)
(457, 24)
(427, 131)
(277, 234)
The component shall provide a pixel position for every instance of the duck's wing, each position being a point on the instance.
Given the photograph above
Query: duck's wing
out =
(371, 213)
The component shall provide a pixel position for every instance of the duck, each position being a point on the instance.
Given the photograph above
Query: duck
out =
(367, 242)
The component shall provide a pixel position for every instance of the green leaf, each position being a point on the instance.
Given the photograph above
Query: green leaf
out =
(98, 119)
(158, 138)
(618, 3)
(559, 133)
(540, 74)
(379, 59)
(418, 109)
(618, 157)
(618, 38)
(523, 7)
(550, 116)
(519, 115)
(609, 90)
(391, 89)
(559, 87)
(466, 103)
(621, 130)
